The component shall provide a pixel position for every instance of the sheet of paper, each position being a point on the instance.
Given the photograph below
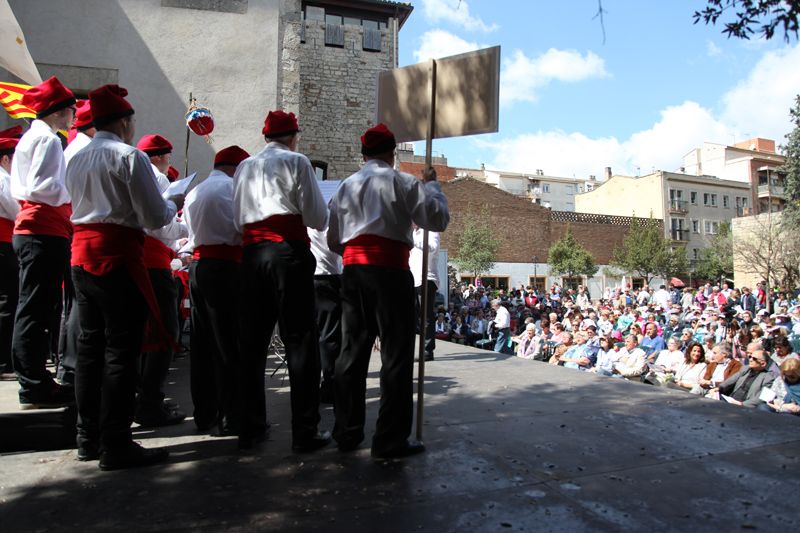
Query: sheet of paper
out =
(730, 400)
(180, 187)
(767, 395)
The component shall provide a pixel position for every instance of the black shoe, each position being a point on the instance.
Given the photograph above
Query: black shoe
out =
(163, 416)
(428, 356)
(312, 444)
(405, 450)
(132, 456)
(88, 451)
(248, 442)
(59, 396)
(348, 446)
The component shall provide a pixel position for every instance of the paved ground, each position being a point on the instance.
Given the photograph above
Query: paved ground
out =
(513, 445)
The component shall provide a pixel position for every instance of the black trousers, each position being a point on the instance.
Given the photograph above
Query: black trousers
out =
(111, 315)
(376, 301)
(327, 290)
(154, 366)
(9, 294)
(278, 286)
(214, 353)
(68, 334)
(430, 329)
(42, 263)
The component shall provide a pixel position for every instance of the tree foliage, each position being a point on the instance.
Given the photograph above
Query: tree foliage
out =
(477, 246)
(716, 260)
(646, 253)
(744, 18)
(792, 168)
(568, 257)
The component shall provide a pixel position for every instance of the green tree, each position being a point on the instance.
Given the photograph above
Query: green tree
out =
(477, 246)
(716, 260)
(746, 17)
(792, 168)
(568, 257)
(646, 253)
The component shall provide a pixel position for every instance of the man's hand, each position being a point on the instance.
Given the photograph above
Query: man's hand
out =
(178, 200)
(429, 174)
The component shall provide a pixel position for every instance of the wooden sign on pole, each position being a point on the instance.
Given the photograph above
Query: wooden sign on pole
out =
(467, 97)
(450, 97)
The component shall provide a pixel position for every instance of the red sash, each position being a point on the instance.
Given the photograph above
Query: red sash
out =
(100, 248)
(6, 229)
(218, 251)
(44, 219)
(277, 228)
(157, 254)
(377, 251)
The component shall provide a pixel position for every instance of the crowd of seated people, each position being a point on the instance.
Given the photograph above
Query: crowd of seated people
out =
(713, 342)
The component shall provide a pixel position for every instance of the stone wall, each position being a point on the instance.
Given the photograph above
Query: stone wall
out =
(338, 95)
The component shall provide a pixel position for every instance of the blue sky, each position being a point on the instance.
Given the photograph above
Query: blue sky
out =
(572, 105)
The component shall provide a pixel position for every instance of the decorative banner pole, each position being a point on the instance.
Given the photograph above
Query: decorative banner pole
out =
(449, 97)
(188, 131)
(199, 120)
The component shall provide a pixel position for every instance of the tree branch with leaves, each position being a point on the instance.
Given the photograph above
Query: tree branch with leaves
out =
(477, 245)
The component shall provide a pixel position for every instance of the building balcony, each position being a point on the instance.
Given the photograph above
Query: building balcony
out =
(678, 206)
(765, 192)
(681, 235)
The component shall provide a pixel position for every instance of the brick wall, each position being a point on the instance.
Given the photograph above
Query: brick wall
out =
(525, 229)
(443, 172)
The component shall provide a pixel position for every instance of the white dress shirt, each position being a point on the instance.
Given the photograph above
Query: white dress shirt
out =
(80, 142)
(328, 263)
(415, 257)
(113, 183)
(502, 319)
(38, 168)
(379, 200)
(8, 206)
(277, 181)
(208, 212)
(176, 229)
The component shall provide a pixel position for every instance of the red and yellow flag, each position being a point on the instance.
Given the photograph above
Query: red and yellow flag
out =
(11, 98)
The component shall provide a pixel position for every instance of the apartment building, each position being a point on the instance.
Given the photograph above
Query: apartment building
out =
(692, 207)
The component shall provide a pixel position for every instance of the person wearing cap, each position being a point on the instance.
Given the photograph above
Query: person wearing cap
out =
(276, 198)
(41, 241)
(173, 173)
(214, 290)
(84, 130)
(159, 250)
(9, 268)
(116, 196)
(374, 238)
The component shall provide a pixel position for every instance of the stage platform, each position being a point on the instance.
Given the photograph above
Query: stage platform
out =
(512, 445)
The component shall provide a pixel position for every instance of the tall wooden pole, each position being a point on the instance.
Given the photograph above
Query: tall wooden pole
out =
(186, 154)
(423, 327)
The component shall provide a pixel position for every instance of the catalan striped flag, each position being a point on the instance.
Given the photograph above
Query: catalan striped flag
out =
(11, 98)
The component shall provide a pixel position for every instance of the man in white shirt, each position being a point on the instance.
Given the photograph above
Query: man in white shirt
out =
(327, 289)
(159, 251)
(431, 284)
(41, 241)
(374, 238)
(502, 325)
(276, 198)
(214, 288)
(9, 268)
(85, 130)
(115, 197)
(631, 362)
(661, 298)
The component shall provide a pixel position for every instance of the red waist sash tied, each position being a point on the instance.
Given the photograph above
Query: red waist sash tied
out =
(377, 251)
(277, 228)
(100, 248)
(226, 252)
(6, 229)
(43, 219)
(157, 254)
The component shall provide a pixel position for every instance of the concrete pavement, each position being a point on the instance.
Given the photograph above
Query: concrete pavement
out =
(513, 445)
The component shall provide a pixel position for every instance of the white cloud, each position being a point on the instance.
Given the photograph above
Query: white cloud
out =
(522, 76)
(712, 50)
(454, 12)
(758, 107)
(436, 44)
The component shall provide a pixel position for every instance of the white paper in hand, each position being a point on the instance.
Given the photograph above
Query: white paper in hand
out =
(180, 187)
(730, 400)
(767, 395)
